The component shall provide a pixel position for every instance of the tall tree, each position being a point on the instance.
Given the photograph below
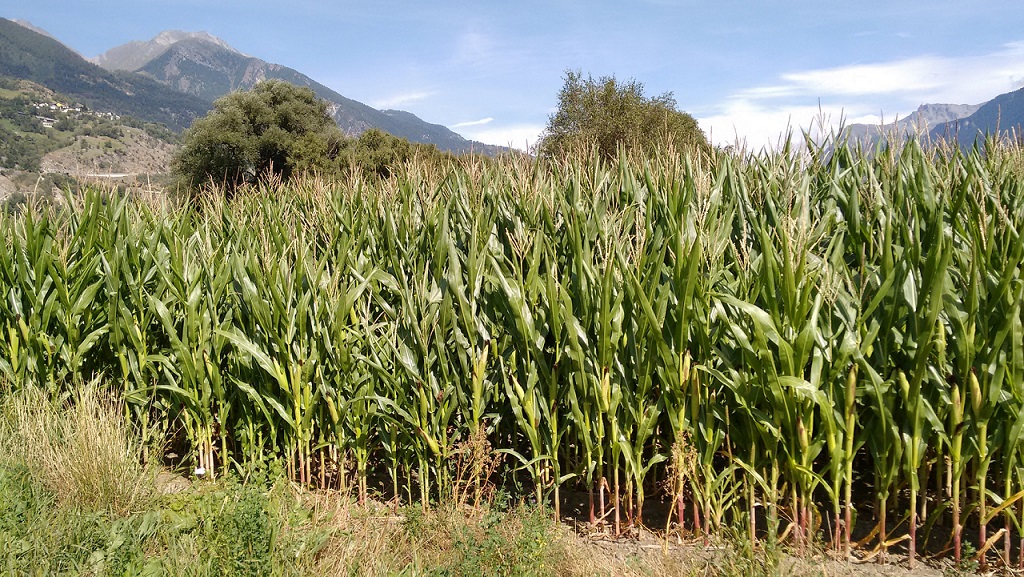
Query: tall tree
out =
(274, 128)
(606, 114)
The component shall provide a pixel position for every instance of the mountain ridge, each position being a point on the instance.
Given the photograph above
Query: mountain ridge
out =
(34, 28)
(207, 67)
(920, 122)
(29, 55)
(1002, 116)
(134, 55)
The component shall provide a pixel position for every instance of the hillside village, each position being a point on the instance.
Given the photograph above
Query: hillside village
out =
(47, 111)
(51, 142)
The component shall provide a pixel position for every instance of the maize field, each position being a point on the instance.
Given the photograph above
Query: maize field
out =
(790, 343)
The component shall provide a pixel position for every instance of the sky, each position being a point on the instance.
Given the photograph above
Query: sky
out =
(747, 71)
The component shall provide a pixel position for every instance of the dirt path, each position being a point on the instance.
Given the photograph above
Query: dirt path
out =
(649, 555)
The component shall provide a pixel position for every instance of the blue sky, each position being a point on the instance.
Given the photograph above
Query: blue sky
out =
(492, 70)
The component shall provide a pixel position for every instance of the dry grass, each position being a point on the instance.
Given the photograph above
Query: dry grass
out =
(365, 539)
(85, 457)
(84, 454)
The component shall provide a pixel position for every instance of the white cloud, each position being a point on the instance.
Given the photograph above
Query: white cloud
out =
(860, 93)
(520, 136)
(965, 79)
(911, 75)
(402, 99)
(758, 126)
(763, 92)
(480, 122)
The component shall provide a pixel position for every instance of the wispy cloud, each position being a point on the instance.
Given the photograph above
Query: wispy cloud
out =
(480, 122)
(484, 50)
(861, 93)
(925, 74)
(402, 99)
(967, 78)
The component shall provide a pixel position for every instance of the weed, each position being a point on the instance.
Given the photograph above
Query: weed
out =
(968, 565)
(241, 534)
(514, 543)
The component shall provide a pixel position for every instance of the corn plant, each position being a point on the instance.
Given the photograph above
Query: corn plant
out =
(804, 327)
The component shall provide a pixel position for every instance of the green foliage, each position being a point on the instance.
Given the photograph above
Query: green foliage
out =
(786, 316)
(377, 153)
(966, 567)
(20, 498)
(157, 131)
(739, 556)
(236, 526)
(503, 543)
(608, 114)
(275, 128)
(285, 130)
(492, 540)
(226, 530)
(49, 525)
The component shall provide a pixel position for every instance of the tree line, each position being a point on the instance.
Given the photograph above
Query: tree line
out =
(280, 129)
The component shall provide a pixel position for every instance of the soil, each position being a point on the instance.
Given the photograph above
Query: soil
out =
(7, 187)
(694, 558)
(167, 483)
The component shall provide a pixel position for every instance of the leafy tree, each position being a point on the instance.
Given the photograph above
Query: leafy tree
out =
(606, 113)
(377, 153)
(275, 128)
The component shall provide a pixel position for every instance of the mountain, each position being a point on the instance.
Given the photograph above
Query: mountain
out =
(28, 55)
(136, 54)
(207, 67)
(921, 121)
(1004, 114)
(36, 29)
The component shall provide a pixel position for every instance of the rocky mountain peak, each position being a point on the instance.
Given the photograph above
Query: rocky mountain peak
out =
(204, 66)
(170, 37)
(919, 122)
(929, 116)
(136, 54)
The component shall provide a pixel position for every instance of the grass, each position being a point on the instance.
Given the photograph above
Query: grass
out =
(80, 454)
(75, 498)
